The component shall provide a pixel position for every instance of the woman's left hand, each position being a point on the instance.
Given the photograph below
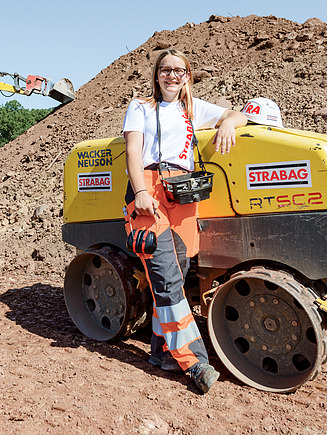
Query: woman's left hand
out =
(225, 137)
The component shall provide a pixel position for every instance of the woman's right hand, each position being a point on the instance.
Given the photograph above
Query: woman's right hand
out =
(145, 204)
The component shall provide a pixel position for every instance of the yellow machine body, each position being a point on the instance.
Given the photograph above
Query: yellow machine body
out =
(95, 181)
(269, 171)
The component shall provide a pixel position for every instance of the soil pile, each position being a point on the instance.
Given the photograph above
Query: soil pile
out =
(234, 59)
(55, 380)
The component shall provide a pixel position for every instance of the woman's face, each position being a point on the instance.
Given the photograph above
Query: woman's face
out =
(172, 76)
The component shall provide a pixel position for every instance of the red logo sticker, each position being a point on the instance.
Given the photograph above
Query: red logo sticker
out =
(94, 182)
(279, 174)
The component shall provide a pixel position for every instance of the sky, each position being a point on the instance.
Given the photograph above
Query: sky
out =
(76, 39)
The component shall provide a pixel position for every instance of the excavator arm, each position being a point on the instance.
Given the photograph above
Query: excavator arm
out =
(62, 90)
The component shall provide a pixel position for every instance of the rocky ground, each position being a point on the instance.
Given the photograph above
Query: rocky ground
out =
(54, 380)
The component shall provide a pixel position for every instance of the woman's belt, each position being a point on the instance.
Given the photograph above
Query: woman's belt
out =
(165, 166)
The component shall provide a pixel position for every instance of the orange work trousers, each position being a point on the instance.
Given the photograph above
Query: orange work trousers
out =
(173, 324)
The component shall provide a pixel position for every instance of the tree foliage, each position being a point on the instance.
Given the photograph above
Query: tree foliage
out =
(14, 120)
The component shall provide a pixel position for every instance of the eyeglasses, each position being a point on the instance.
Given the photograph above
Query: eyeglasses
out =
(165, 71)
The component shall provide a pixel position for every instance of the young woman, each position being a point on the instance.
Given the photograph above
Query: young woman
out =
(176, 341)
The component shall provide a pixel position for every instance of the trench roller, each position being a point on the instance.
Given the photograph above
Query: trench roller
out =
(267, 330)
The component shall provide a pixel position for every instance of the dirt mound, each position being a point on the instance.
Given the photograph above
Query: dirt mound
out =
(54, 379)
(234, 59)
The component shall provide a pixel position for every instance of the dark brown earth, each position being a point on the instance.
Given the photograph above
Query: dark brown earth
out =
(54, 380)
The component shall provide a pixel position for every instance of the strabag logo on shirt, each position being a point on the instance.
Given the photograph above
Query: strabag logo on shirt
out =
(279, 174)
(95, 182)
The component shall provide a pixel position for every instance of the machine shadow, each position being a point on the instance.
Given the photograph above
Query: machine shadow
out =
(41, 310)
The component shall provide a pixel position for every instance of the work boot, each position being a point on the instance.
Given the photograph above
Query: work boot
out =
(166, 362)
(204, 376)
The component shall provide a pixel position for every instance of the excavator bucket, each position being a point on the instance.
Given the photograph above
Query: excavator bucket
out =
(62, 91)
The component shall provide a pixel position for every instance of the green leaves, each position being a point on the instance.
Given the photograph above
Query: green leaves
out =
(14, 120)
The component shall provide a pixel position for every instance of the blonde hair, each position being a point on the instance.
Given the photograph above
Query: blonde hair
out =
(185, 96)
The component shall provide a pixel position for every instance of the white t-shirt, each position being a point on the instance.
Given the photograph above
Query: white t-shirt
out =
(176, 129)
